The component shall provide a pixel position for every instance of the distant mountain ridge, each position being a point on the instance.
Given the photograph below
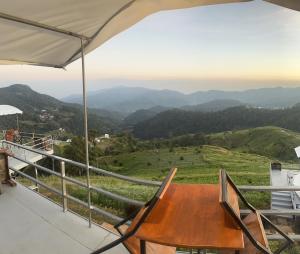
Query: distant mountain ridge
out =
(131, 99)
(212, 106)
(143, 115)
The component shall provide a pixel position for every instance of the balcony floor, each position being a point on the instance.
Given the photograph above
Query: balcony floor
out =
(31, 224)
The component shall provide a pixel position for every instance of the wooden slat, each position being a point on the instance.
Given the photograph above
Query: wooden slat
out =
(255, 226)
(191, 216)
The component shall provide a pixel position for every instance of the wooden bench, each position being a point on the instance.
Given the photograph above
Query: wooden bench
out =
(133, 244)
(255, 238)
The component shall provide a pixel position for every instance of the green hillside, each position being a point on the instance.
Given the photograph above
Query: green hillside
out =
(177, 122)
(272, 142)
(61, 115)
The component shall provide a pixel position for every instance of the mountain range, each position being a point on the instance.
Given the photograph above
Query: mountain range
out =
(130, 99)
(154, 113)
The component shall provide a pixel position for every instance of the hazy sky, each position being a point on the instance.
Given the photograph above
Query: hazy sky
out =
(233, 46)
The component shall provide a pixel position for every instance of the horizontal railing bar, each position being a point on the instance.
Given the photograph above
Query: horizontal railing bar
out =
(291, 168)
(269, 188)
(107, 214)
(275, 212)
(96, 209)
(35, 144)
(69, 179)
(31, 133)
(37, 166)
(40, 140)
(117, 197)
(84, 185)
(277, 237)
(126, 178)
(47, 170)
(37, 181)
(78, 201)
(83, 166)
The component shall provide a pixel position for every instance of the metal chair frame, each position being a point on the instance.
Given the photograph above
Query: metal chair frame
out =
(226, 179)
(148, 208)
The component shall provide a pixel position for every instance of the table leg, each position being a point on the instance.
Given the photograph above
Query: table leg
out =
(143, 247)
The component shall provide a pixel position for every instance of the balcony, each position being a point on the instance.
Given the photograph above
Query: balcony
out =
(54, 224)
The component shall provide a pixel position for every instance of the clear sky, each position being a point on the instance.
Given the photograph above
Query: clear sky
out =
(233, 46)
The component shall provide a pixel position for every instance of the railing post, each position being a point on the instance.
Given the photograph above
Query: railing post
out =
(52, 143)
(36, 178)
(53, 164)
(63, 186)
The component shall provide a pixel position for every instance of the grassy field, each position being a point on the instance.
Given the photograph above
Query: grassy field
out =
(195, 165)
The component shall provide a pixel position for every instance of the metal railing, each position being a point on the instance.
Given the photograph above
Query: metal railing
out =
(33, 140)
(64, 179)
(83, 166)
(62, 192)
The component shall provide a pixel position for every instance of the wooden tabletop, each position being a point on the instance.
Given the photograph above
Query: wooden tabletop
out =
(191, 216)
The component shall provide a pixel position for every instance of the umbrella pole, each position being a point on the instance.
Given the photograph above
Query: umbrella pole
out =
(86, 140)
(18, 122)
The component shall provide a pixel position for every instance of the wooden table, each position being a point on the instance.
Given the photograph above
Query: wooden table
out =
(190, 216)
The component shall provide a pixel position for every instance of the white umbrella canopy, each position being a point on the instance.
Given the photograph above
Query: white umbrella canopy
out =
(48, 33)
(9, 110)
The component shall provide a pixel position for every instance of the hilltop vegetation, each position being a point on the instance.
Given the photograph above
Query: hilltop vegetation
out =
(179, 122)
(272, 142)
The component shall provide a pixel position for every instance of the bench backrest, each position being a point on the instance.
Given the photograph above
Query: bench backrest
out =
(229, 194)
(146, 210)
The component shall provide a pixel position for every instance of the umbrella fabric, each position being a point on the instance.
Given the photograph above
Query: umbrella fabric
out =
(9, 110)
(28, 27)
